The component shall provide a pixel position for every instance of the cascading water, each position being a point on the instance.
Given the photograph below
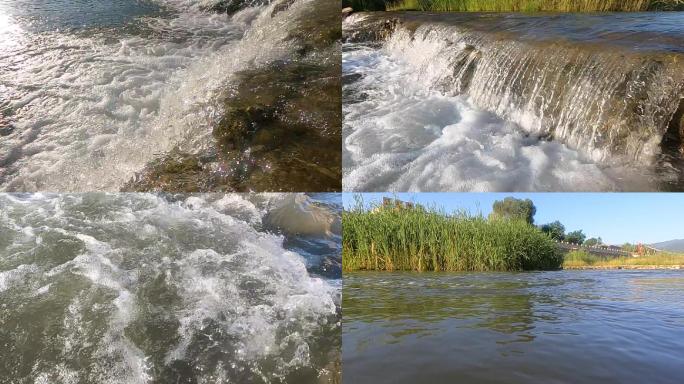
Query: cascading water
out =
(141, 288)
(512, 102)
(87, 99)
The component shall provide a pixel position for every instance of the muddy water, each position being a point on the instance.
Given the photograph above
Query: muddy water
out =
(141, 288)
(543, 327)
(503, 102)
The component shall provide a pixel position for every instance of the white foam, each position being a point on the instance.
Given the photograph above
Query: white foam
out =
(211, 252)
(16, 276)
(407, 135)
(89, 112)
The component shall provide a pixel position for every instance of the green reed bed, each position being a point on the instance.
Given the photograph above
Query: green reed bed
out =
(415, 239)
(581, 258)
(536, 5)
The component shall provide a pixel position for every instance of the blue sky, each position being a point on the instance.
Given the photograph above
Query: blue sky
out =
(616, 217)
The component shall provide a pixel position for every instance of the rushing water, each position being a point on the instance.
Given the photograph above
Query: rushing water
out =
(543, 327)
(91, 91)
(141, 288)
(501, 102)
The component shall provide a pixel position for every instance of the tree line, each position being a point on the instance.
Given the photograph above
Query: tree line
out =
(524, 209)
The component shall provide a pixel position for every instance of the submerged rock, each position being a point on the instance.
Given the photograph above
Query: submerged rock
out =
(281, 126)
(232, 6)
(5, 127)
(297, 214)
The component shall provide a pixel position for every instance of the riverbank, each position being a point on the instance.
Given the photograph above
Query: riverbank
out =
(584, 260)
(517, 5)
(634, 267)
(418, 239)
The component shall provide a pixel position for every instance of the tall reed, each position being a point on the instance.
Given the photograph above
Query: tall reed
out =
(536, 5)
(417, 239)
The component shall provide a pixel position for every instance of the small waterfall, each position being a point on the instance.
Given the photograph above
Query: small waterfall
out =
(612, 103)
(86, 109)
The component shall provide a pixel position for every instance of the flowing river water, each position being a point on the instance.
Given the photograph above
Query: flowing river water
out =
(513, 102)
(94, 93)
(536, 327)
(144, 288)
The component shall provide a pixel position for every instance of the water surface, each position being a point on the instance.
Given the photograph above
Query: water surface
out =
(93, 91)
(637, 30)
(41, 15)
(142, 288)
(537, 327)
(513, 102)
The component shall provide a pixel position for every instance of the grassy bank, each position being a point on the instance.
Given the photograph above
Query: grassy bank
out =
(518, 5)
(582, 259)
(414, 239)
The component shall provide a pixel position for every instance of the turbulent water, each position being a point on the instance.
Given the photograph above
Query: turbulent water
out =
(88, 98)
(544, 327)
(141, 288)
(513, 102)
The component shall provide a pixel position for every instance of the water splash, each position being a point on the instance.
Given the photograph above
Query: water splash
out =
(609, 103)
(143, 288)
(89, 108)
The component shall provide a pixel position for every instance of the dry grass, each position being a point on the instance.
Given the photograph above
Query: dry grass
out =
(536, 5)
(578, 259)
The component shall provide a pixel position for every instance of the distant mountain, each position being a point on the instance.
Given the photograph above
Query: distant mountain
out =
(672, 245)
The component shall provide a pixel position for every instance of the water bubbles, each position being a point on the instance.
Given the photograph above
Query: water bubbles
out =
(157, 284)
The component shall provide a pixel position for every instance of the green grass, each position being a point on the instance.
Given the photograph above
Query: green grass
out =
(365, 5)
(578, 259)
(429, 240)
(535, 5)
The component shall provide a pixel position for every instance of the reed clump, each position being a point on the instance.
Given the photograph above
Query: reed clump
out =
(536, 5)
(581, 258)
(419, 239)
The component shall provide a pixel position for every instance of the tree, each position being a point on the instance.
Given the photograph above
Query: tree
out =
(575, 237)
(592, 242)
(629, 247)
(555, 230)
(512, 208)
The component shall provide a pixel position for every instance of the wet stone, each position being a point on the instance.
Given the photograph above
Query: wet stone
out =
(281, 127)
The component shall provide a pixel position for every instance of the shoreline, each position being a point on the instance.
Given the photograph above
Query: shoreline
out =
(634, 267)
(569, 268)
(521, 6)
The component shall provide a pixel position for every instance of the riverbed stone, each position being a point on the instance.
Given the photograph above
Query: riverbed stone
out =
(281, 126)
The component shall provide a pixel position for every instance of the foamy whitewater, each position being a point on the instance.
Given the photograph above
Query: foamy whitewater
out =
(405, 136)
(427, 111)
(85, 108)
(139, 288)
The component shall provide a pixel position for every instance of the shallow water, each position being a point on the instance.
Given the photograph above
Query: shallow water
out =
(637, 30)
(502, 102)
(88, 100)
(141, 288)
(400, 135)
(43, 15)
(537, 327)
